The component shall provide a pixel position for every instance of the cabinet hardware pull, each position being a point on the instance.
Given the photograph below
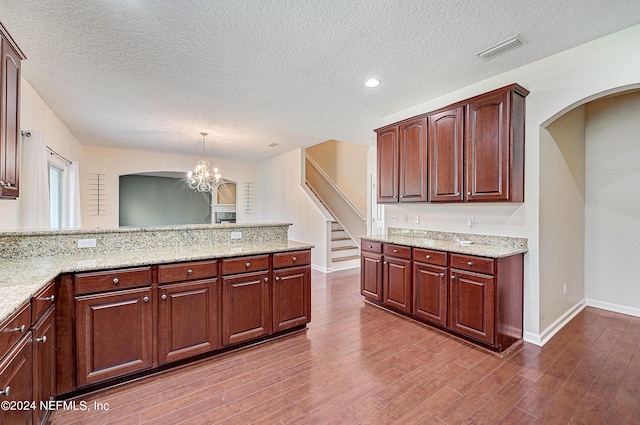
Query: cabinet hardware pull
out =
(145, 299)
(370, 246)
(20, 329)
(247, 265)
(115, 281)
(189, 272)
(441, 274)
(468, 193)
(428, 257)
(43, 339)
(6, 391)
(395, 196)
(52, 298)
(469, 263)
(453, 277)
(384, 262)
(395, 250)
(294, 259)
(266, 279)
(277, 279)
(164, 296)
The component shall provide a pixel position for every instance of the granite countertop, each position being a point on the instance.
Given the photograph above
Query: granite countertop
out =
(22, 278)
(482, 250)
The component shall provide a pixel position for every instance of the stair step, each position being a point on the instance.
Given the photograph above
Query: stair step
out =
(351, 257)
(342, 248)
(341, 239)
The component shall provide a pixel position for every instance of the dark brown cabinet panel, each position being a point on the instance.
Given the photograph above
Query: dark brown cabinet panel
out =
(388, 163)
(430, 293)
(446, 155)
(16, 382)
(291, 297)
(246, 310)
(397, 283)
(114, 334)
(413, 161)
(472, 305)
(9, 117)
(187, 319)
(371, 275)
(44, 363)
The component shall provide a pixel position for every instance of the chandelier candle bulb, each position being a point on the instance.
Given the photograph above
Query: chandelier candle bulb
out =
(200, 178)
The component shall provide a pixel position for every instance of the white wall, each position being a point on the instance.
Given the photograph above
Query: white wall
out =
(562, 215)
(557, 84)
(116, 162)
(613, 203)
(281, 198)
(35, 114)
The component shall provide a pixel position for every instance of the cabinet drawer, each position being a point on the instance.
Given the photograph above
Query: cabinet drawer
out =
(428, 256)
(371, 246)
(42, 301)
(289, 259)
(112, 279)
(399, 251)
(472, 263)
(245, 264)
(187, 271)
(14, 328)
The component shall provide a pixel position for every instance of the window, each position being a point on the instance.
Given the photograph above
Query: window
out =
(56, 195)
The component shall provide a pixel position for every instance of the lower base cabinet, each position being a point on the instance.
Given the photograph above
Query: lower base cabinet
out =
(291, 297)
(430, 293)
(44, 364)
(472, 305)
(246, 312)
(114, 334)
(16, 383)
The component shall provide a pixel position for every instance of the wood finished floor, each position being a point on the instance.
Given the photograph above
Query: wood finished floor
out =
(357, 364)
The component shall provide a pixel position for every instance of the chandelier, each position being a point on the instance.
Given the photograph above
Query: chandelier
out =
(201, 179)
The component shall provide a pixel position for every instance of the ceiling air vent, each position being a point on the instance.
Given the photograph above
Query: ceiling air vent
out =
(500, 48)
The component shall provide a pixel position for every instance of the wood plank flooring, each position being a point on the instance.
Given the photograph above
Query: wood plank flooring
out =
(357, 364)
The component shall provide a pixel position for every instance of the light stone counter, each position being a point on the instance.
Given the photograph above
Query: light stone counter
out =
(36, 258)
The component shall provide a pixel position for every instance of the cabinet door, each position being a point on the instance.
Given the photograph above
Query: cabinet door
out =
(44, 363)
(291, 297)
(446, 156)
(388, 163)
(413, 161)
(488, 148)
(245, 307)
(430, 293)
(187, 319)
(472, 305)
(113, 331)
(16, 380)
(371, 275)
(10, 124)
(397, 283)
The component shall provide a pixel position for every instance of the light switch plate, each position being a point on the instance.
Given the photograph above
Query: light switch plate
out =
(86, 243)
(236, 235)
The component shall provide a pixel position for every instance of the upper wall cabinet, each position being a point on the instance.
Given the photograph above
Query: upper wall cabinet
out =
(473, 151)
(9, 116)
(402, 162)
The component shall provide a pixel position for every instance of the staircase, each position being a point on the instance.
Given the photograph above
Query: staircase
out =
(345, 254)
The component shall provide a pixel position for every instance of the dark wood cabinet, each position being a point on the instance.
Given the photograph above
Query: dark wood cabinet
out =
(494, 146)
(44, 363)
(9, 116)
(371, 275)
(114, 334)
(446, 155)
(246, 310)
(187, 319)
(388, 158)
(472, 305)
(291, 297)
(16, 384)
(396, 277)
(430, 293)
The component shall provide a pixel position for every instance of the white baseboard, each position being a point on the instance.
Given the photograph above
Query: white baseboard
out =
(617, 308)
(321, 269)
(544, 337)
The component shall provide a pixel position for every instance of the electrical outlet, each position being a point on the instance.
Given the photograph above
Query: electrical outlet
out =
(394, 218)
(564, 289)
(86, 243)
(417, 220)
(405, 218)
(236, 235)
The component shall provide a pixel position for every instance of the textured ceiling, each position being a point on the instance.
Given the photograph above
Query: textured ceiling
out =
(153, 74)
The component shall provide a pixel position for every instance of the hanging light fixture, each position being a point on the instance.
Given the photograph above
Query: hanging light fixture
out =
(201, 179)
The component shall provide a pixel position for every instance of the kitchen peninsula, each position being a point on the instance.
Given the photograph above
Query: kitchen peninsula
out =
(139, 300)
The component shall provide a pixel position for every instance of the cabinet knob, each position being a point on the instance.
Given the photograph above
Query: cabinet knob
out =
(52, 298)
(370, 246)
(277, 279)
(395, 196)
(189, 272)
(145, 299)
(294, 259)
(469, 263)
(266, 279)
(164, 296)
(247, 265)
(428, 257)
(441, 274)
(452, 277)
(469, 193)
(115, 281)
(384, 262)
(6, 391)
(43, 339)
(20, 329)
(395, 250)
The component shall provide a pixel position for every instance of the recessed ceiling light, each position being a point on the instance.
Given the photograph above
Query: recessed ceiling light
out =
(372, 82)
